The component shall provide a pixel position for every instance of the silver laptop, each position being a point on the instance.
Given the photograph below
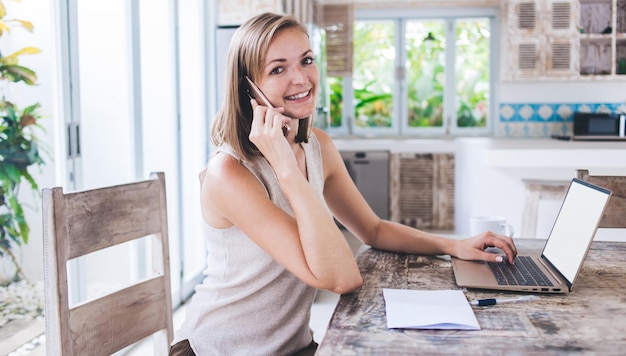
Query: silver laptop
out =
(561, 258)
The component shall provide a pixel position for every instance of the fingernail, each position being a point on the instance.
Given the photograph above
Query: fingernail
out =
(499, 259)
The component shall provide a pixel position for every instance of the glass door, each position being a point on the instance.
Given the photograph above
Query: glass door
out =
(135, 103)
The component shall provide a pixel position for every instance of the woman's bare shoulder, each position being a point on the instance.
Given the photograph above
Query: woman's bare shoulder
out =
(225, 183)
(323, 137)
(225, 170)
(331, 157)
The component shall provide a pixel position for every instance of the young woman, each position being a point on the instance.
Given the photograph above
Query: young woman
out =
(269, 195)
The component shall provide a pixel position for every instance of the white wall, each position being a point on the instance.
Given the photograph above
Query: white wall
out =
(602, 91)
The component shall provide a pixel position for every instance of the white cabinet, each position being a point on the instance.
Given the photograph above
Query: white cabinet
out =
(543, 38)
(566, 39)
(603, 38)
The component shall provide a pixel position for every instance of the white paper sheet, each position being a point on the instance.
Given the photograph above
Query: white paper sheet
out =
(428, 309)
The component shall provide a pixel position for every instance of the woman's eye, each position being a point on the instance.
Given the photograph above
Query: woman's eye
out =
(276, 70)
(308, 60)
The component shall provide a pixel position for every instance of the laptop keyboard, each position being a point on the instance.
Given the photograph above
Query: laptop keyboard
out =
(523, 273)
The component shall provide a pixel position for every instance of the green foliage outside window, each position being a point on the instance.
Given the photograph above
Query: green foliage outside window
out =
(373, 109)
(336, 100)
(472, 67)
(374, 73)
(425, 48)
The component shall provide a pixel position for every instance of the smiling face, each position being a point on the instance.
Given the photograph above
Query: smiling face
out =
(289, 76)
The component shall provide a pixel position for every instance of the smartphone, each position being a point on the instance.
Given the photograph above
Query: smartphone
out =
(255, 93)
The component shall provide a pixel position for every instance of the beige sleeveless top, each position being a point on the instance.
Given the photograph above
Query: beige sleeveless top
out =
(248, 304)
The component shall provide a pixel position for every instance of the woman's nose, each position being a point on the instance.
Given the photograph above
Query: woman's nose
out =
(299, 75)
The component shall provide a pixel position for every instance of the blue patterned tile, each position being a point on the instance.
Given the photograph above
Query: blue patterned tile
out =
(564, 111)
(540, 120)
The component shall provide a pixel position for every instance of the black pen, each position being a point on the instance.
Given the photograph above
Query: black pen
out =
(494, 301)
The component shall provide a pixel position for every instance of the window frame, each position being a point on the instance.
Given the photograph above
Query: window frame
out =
(399, 127)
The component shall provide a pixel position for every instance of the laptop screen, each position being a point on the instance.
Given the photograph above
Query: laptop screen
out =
(575, 227)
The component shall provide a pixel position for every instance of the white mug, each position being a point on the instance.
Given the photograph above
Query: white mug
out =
(496, 224)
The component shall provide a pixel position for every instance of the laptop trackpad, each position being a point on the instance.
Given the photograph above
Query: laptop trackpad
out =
(472, 273)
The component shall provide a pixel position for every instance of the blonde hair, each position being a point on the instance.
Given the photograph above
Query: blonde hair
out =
(246, 55)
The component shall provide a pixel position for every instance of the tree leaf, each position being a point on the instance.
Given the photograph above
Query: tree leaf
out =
(31, 180)
(4, 27)
(12, 173)
(5, 181)
(27, 120)
(27, 25)
(24, 231)
(31, 108)
(17, 73)
(25, 50)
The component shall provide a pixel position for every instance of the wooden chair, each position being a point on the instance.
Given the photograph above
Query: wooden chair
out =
(537, 190)
(78, 223)
(615, 212)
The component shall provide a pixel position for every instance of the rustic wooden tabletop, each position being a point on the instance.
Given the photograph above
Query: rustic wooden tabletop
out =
(590, 320)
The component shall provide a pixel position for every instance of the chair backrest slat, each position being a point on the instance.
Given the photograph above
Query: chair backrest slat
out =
(126, 212)
(134, 312)
(79, 223)
(615, 212)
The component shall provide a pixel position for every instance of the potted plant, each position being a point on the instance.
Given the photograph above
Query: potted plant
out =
(19, 147)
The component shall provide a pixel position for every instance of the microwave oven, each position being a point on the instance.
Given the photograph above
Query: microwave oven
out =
(599, 126)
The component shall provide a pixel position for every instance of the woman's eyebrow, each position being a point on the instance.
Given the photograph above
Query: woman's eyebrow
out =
(283, 60)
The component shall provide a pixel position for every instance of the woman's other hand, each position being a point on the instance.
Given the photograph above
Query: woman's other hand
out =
(473, 248)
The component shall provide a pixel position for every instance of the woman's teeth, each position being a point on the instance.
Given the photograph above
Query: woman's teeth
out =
(298, 96)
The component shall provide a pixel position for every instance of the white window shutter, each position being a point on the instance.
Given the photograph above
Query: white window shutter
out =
(561, 58)
(562, 15)
(526, 18)
(527, 59)
(337, 20)
(302, 10)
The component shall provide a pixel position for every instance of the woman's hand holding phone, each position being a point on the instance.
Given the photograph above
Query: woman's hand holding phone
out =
(267, 137)
(263, 130)
(255, 93)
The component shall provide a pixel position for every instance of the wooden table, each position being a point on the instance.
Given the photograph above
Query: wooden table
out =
(590, 320)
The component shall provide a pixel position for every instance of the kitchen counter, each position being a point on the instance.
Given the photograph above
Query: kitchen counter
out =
(452, 144)
(397, 145)
(505, 152)
(489, 172)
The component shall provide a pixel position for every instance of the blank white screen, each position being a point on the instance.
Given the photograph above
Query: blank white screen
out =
(575, 227)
